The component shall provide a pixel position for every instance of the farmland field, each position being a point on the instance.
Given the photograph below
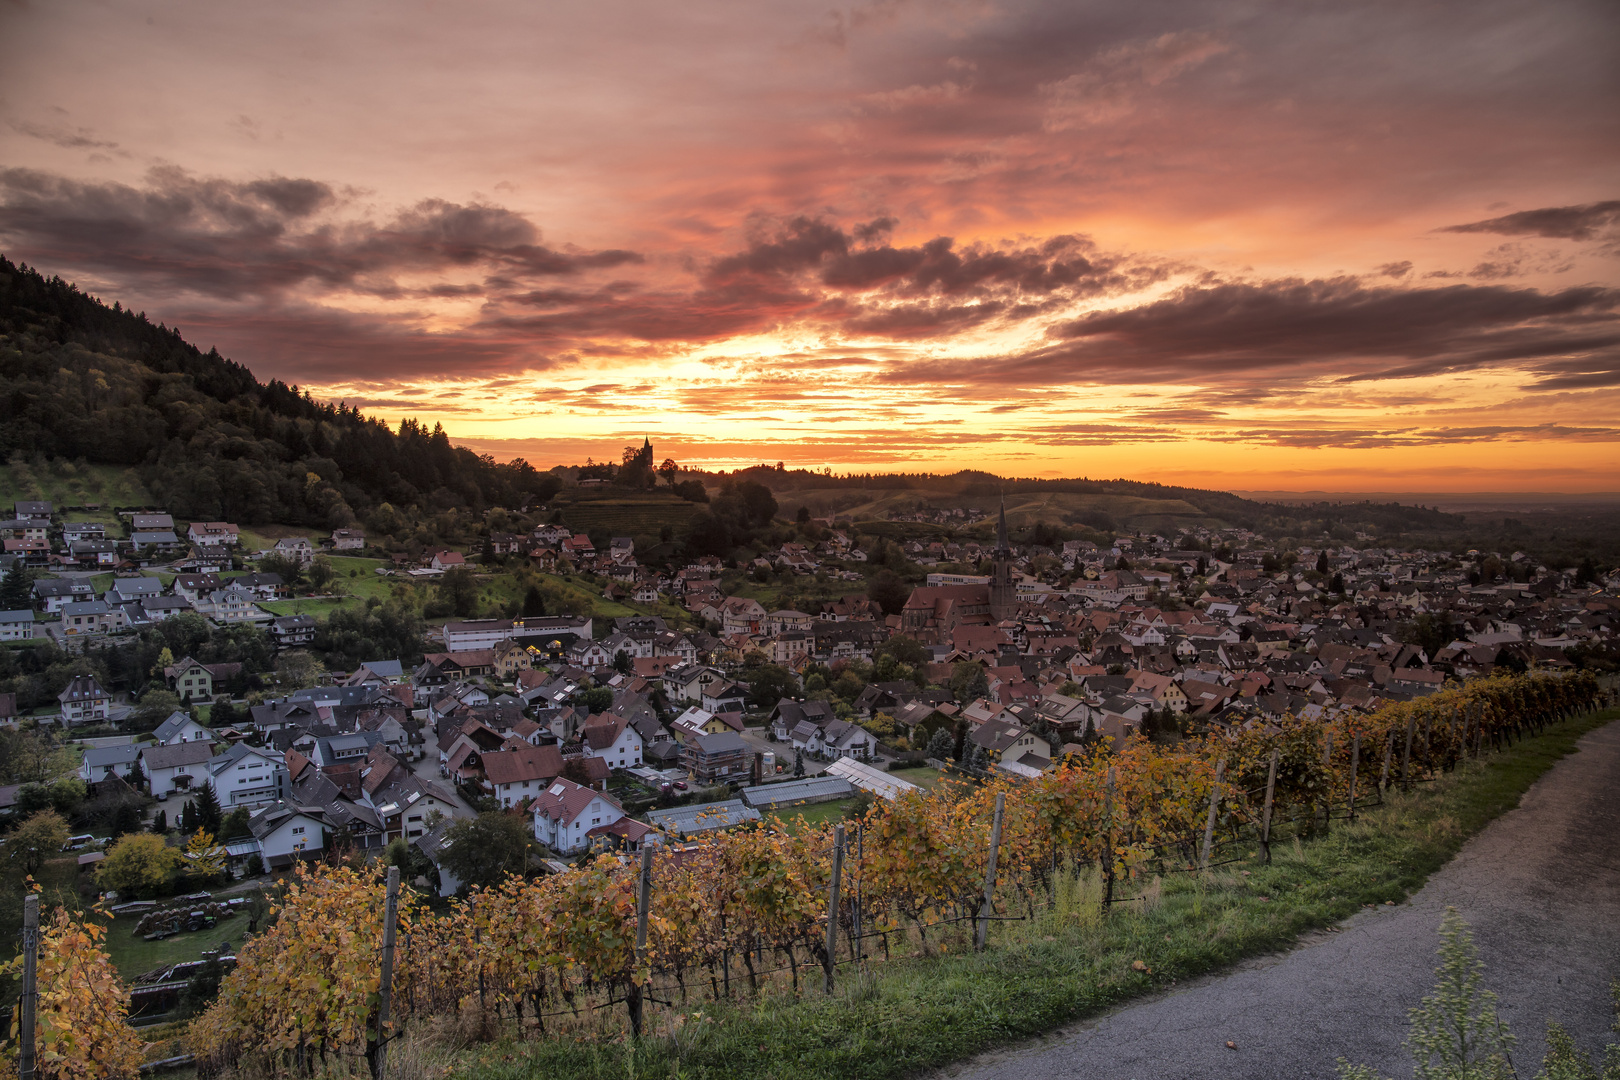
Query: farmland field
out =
(624, 513)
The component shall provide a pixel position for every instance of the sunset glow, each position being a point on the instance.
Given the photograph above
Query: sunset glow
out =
(1342, 247)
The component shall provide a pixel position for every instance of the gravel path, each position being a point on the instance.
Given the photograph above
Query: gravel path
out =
(1540, 887)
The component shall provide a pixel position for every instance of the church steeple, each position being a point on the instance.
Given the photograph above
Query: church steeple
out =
(1003, 587)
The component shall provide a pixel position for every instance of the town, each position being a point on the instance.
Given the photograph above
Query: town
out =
(668, 700)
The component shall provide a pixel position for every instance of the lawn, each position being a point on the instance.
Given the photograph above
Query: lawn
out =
(813, 814)
(318, 608)
(922, 776)
(133, 955)
(914, 1016)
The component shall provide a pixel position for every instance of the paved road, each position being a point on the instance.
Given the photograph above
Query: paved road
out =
(1540, 887)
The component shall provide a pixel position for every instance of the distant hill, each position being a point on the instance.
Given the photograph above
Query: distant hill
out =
(1104, 505)
(83, 381)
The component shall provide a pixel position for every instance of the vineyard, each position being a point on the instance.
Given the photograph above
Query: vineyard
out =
(748, 913)
(623, 513)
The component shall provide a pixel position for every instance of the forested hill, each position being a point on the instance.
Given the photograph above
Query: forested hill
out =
(84, 381)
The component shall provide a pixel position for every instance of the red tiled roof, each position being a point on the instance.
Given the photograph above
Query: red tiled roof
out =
(522, 763)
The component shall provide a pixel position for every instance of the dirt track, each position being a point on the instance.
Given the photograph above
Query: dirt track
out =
(1541, 888)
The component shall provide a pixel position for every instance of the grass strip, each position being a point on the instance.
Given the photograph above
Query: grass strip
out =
(907, 1016)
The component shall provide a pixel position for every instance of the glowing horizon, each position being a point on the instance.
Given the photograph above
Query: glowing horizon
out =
(1213, 245)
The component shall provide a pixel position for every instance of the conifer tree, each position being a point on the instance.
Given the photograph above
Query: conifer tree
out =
(15, 592)
(209, 816)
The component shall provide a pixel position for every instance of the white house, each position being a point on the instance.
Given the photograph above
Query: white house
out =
(101, 762)
(566, 812)
(248, 776)
(521, 772)
(287, 832)
(181, 767)
(834, 739)
(614, 740)
(84, 701)
(16, 625)
(180, 728)
(296, 547)
(348, 539)
(212, 534)
(232, 604)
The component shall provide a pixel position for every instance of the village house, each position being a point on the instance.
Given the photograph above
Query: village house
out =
(74, 531)
(232, 604)
(614, 740)
(53, 593)
(247, 775)
(89, 617)
(17, 625)
(348, 540)
(181, 728)
(520, 771)
(291, 631)
(180, 767)
(212, 534)
(711, 759)
(195, 681)
(287, 833)
(296, 548)
(83, 701)
(101, 762)
(566, 815)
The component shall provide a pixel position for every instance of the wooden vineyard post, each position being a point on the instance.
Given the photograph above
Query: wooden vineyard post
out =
(989, 907)
(832, 905)
(1108, 841)
(1214, 806)
(1355, 765)
(643, 894)
(29, 1004)
(478, 939)
(860, 861)
(1406, 755)
(385, 985)
(1383, 777)
(1265, 817)
(1327, 767)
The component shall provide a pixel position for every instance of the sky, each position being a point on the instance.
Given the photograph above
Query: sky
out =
(1232, 243)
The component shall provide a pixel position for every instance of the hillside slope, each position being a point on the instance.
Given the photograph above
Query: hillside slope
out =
(86, 382)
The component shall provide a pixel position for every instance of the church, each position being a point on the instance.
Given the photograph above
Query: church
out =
(934, 611)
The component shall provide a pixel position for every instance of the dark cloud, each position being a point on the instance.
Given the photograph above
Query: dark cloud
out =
(1562, 222)
(1395, 269)
(1293, 331)
(231, 240)
(80, 138)
(814, 250)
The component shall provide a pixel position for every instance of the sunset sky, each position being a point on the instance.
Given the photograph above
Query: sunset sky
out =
(1340, 246)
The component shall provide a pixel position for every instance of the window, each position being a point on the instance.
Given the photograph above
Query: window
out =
(299, 831)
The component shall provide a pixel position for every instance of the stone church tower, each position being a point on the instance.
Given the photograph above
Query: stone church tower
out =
(1003, 585)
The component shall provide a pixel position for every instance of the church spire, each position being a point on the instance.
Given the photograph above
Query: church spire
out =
(1001, 527)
